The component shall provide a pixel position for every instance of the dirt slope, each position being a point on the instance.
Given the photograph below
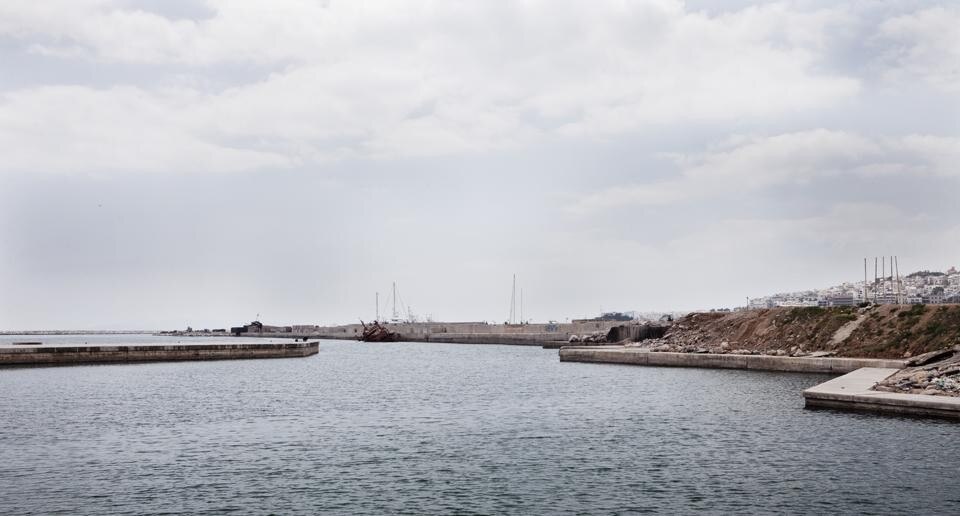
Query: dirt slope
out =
(889, 331)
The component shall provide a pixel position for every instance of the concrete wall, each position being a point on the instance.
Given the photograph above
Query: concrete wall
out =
(854, 391)
(104, 354)
(558, 331)
(636, 356)
(516, 339)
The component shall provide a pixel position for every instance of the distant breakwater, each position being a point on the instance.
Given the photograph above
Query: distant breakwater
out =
(466, 332)
(70, 355)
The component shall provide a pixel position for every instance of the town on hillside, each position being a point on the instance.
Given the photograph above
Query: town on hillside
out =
(921, 287)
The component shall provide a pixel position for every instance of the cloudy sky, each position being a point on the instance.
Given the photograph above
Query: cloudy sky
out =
(165, 163)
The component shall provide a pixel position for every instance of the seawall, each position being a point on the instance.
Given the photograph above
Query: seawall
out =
(516, 339)
(854, 391)
(478, 332)
(641, 356)
(513, 339)
(69, 355)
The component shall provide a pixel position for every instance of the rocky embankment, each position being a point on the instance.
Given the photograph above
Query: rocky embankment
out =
(936, 373)
(887, 331)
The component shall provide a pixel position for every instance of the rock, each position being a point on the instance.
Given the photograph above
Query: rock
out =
(724, 345)
(817, 354)
(933, 356)
(950, 370)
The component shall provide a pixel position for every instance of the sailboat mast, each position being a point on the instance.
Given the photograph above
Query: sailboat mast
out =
(395, 315)
(864, 280)
(513, 301)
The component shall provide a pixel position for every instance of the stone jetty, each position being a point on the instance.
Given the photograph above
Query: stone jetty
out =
(71, 355)
(856, 391)
(641, 356)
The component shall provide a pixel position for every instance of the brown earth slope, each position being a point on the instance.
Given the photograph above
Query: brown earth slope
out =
(889, 331)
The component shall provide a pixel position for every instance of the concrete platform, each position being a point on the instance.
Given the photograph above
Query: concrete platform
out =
(852, 392)
(518, 339)
(71, 355)
(557, 344)
(512, 339)
(642, 356)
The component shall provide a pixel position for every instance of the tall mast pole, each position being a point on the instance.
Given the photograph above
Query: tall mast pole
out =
(864, 280)
(893, 286)
(513, 300)
(899, 285)
(893, 280)
(875, 264)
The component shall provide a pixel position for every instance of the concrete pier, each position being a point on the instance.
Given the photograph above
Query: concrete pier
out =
(853, 391)
(515, 339)
(641, 356)
(467, 332)
(70, 355)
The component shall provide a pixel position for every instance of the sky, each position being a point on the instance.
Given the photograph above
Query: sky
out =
(166, 163)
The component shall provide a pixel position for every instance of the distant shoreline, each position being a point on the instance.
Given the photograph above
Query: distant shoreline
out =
(79, 332)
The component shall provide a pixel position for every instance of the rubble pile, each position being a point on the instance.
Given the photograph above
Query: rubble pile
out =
(698, 333)
(888, 331)
(597, 337)
(936, 373)
(625, 334)
(679, 345)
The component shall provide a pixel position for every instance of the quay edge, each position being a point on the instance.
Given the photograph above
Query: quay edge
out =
(853, 392)
(71, 355)
(641, 356)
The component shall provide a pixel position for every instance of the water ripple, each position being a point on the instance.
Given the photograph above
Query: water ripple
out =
(448, 429)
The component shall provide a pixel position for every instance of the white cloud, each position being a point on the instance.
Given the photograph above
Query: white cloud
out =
(750, 164)
(926, 46)
(76, 129)
(431, 78)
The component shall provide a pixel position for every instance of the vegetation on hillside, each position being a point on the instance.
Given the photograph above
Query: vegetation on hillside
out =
(888, 331)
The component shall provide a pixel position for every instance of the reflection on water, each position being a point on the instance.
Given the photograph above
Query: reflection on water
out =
(435, 428)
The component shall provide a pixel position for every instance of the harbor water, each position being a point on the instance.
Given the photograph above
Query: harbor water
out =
(439, 428)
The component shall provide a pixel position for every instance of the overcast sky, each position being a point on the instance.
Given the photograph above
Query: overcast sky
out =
(171, 163)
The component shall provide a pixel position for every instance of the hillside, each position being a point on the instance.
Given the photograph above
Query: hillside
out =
(886, 331)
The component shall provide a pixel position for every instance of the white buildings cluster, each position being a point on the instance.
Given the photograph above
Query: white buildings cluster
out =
(923, 287)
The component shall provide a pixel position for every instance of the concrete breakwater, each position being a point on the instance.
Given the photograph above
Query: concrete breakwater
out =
(550, 334)
(641, 356)
(69, 355)
(518, 339)
(544, 340)
(855, 391)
